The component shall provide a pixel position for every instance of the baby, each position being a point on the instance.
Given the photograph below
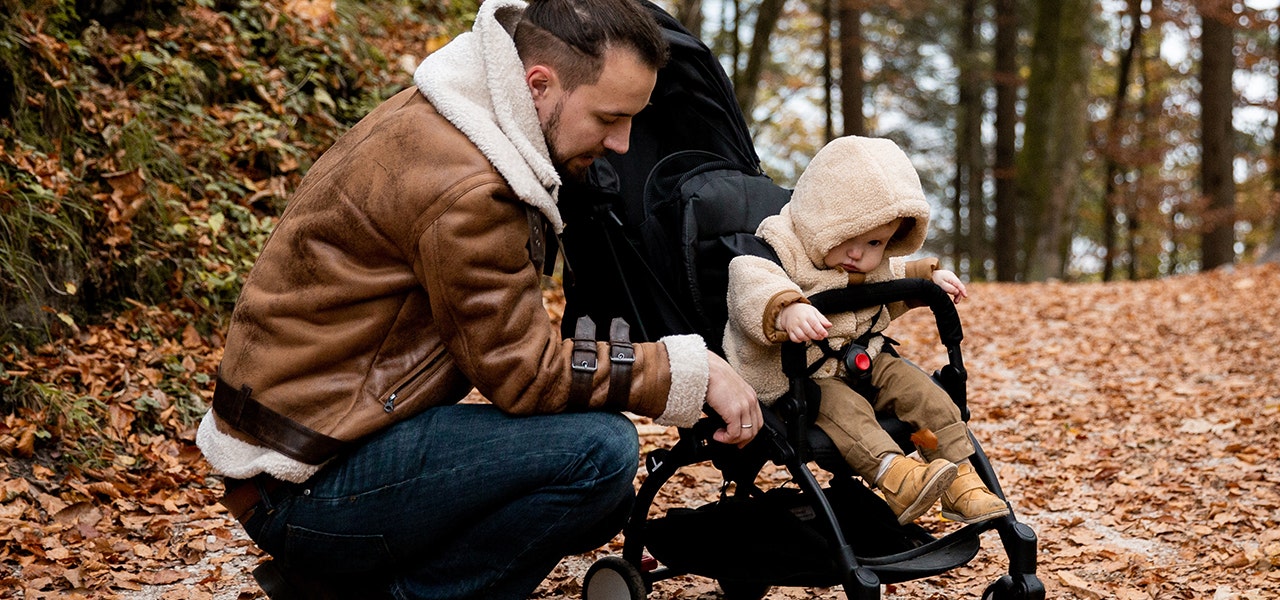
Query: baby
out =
(857, 204)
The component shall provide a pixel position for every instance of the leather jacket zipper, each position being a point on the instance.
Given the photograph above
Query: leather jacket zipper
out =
(389, 404)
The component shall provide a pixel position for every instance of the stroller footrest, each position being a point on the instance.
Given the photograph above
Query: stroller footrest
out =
(951, 552)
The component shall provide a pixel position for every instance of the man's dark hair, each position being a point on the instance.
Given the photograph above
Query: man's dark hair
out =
(571, 36)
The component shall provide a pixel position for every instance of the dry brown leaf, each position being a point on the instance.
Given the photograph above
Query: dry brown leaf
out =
(26, 445)
(1078, 586)
(924, 438)
(104, 488)
(191, 337)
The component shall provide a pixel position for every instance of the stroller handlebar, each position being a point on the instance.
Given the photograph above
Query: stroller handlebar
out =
(899, 290)
(874, 294)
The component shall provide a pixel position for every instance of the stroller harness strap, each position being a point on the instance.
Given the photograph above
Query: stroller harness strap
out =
(862, 342)
(582, 363)
(621, 356)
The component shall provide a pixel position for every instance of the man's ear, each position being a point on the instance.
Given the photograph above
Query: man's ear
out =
(541, 80)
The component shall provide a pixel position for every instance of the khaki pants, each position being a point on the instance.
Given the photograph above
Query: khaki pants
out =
(905, 391)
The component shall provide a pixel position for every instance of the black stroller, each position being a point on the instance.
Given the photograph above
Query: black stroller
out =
(650, 239)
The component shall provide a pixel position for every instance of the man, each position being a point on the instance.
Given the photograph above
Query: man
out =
(404, 272)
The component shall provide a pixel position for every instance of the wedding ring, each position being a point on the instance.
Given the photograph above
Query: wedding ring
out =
(746, 426)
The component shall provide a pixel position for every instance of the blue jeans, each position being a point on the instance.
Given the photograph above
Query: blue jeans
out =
(458, 502)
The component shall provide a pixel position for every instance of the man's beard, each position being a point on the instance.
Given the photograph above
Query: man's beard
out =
(560, 162)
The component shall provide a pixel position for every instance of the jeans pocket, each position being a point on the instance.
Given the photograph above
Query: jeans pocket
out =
(336, 553)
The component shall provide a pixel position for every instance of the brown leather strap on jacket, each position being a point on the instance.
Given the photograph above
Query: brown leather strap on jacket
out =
(621, 356)
(273, 430)
(537, 240)
(582, 363)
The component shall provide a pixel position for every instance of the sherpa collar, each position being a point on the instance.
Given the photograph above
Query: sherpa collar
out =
(477, 82)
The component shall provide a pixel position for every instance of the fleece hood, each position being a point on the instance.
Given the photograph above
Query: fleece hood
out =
(853, 185)
(477, 82)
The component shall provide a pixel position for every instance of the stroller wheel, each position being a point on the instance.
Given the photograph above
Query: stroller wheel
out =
(743, 590)
(1009, 588)
(1000, 589)
(613, 578)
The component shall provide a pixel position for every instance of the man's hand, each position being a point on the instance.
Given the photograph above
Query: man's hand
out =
(802, 322)
(732, 398)
(950, 284)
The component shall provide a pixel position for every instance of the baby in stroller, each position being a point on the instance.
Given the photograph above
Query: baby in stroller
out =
(858, 204)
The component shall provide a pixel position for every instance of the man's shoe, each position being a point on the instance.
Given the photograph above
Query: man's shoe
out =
(969, 501)
(280, 584)
(910, 487)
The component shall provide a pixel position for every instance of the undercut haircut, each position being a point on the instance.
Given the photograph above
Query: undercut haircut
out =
(571, 36)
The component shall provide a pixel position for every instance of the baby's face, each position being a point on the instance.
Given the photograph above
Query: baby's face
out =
(862, 254)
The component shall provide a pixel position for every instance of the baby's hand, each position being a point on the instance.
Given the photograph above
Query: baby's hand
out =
(950, 284)
(803, 322)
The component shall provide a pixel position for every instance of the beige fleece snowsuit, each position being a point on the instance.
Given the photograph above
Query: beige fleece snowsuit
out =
(852, 186)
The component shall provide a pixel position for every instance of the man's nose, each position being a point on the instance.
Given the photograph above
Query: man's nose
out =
(619, 138)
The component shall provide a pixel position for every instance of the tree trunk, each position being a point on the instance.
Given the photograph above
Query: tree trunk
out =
(970, 159)
(726, 42)
(689, 13)
(1035, 163)
(1053, 138)
(828, 80)
(1113, 143)
(1217, 241)
(1072, 124)
(1004, 172)
(767, 15)
(1272, 253)
(851, 76)
(1151, 99)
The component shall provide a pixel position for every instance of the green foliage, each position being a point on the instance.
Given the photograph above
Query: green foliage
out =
(147, 150)
(41, 251)
(74, 419)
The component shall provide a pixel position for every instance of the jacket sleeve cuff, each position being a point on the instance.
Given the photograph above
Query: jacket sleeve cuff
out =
(689, 374)
(778, 302)
(233, 458)
(922, 268)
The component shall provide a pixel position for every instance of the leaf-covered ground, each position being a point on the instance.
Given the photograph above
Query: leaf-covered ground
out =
(1135, 427)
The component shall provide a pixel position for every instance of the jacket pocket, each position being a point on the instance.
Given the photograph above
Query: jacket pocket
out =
(413, 383)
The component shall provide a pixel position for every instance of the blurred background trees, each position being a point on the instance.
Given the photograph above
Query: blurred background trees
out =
(1063, 139)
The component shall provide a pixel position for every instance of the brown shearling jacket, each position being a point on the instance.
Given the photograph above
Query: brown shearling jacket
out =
(399, 277)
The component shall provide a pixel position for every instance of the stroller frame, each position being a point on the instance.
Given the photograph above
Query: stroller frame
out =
(788, 440)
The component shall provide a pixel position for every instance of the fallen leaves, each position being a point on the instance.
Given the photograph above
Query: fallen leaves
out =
(1145, 452)
(1135, 426)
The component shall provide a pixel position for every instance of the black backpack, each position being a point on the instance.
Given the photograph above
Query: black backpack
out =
(649, 235)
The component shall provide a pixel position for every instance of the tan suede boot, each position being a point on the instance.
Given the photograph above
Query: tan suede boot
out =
(910, 487)
(969, 501)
